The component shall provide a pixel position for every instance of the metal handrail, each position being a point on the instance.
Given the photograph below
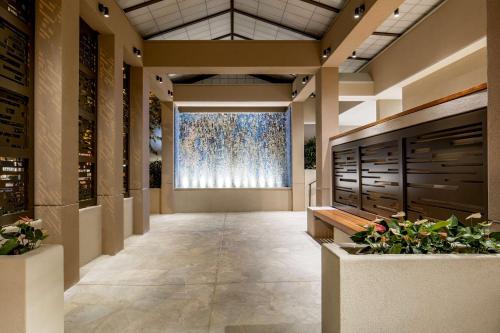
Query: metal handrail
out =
(310, 185)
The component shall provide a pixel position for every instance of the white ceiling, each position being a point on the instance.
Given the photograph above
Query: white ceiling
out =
(299, 15)
(410, 13)
(291, 20)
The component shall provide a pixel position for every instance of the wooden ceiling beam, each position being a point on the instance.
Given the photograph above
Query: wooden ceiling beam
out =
(322, 5)
(141, 5)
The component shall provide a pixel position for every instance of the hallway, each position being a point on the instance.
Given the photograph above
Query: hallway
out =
(233, 272)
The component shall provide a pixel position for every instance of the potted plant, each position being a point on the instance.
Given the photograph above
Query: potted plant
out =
(31, 280)
(413, 276)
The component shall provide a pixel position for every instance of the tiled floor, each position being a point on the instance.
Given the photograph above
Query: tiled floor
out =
(217, 273)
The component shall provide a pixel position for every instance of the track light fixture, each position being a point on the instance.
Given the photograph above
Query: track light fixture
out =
(326, 52)
(159, 79)
(353, 54)
(103, 10)
(313, 95)
(396, 12)
(305, 79)
(171, 93)
(359, 11)
(137, 52)
(294, 94)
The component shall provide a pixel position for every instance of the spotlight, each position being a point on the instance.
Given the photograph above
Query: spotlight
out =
(171, 93)
(305, 79)
(313, 95)
(159, 79)
(104, 10)
(294, 93)
(359, 11)
(137, 52)
(326, 52)
(396, 12)
(354, 54)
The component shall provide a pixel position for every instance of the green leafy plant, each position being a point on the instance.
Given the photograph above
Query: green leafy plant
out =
(20, 237)
(400, 236)
(310, 154)
(155, 174)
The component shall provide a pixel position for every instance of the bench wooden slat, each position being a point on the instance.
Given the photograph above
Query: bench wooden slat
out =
(344, 221)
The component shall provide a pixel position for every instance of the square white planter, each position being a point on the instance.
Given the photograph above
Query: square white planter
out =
(32, 291)
(409, 293)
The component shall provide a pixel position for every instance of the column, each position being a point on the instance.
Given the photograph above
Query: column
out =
(110, 142)
(298, 176)
(167, 158)
(56, 128)
(493, 35)
(327, 125)
(139, 148)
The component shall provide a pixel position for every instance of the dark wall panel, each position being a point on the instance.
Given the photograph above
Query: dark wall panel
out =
(430, 170)
(346, 176)
(16, 110)
(380, 178)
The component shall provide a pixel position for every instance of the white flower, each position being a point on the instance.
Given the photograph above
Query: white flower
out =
(474, 216)
(10, 229)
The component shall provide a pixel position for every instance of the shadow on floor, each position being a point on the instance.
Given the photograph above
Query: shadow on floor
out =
(274, 328)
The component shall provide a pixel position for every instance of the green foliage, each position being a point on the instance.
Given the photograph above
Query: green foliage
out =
(21, 237)
(400, 236)
(155, 174)
(310, 154)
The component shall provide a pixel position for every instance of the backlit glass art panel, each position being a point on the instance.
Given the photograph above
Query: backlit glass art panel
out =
(232, 150)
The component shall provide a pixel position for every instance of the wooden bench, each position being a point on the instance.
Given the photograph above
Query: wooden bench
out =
(331, 223)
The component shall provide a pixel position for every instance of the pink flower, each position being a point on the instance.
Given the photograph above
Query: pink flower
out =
(379, 228)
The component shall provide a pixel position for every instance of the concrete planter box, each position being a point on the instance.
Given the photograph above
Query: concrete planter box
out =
(32, 291)
(409, 293)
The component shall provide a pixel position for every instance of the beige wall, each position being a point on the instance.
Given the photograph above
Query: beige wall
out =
(297, 141)
(154, 195)
(90, 233)
(458, 76)
(275, 93)
(453, 27)
(388, 107)
(232, 200)
(232, 57)
(128, 217)
(310, 111)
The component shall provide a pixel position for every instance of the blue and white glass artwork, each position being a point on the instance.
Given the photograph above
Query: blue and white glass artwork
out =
(232, 150)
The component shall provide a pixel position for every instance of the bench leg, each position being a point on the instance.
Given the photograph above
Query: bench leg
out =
(319, 229)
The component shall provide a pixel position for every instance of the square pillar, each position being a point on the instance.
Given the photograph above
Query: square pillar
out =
(56, 128)
(493, 35)
(167, 158)
(139, 148)
(327, 125)
(110, 142)
(298, 173)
